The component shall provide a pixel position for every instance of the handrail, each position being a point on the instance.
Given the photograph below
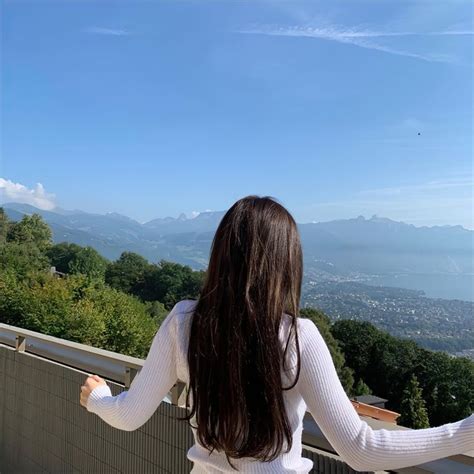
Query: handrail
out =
(116, 367)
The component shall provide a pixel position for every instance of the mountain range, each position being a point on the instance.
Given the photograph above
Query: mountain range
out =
(377, 250)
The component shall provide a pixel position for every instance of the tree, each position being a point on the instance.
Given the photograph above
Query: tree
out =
(13, 297)
(356, 339)
(462, 389)
(361, 388)
(448, 385)
(127, 273)
(88, 261)
(385, 363)
(157, 311)
(413, 413)
(78, 309)
(47, 305)
(85, 324)
(323, 323)
(23, 245)
(393, 360)
(170, 282)
(129, 327)
(60, 255)
(31, 230)
(4, 223)
(24, 260)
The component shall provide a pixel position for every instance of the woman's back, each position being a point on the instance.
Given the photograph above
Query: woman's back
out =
(291, 462)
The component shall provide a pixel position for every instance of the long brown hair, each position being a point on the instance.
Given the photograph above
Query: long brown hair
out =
(235, 356)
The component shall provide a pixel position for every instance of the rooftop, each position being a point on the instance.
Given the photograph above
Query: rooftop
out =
(370, 399)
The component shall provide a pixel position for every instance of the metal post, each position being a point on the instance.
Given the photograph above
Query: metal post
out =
(176, 392)
(20, 343)
(129, 376)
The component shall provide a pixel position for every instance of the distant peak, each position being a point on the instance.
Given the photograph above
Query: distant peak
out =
(376, 218)
(117, 216)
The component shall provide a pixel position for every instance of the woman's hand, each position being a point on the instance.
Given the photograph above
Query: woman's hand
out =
(91, 382)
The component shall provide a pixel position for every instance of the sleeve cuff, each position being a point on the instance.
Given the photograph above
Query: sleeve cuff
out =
(99, 392)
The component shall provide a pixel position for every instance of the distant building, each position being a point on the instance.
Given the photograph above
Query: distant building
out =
(374, 407)
(375, 411)
(55, 273)
(371, 400)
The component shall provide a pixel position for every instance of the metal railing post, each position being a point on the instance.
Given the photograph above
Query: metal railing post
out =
(20, 343)
(176, 392)
(129, 376)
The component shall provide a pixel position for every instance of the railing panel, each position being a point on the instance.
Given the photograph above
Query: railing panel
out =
(43, 427)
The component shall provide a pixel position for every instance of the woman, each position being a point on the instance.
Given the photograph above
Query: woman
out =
(253, 366)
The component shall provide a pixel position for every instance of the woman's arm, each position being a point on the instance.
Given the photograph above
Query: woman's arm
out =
(362, 447)
(132, 408)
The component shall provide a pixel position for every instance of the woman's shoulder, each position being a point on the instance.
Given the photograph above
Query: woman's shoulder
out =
(306, 323)
(307, 329)
(303, 324)
(183, 310)
(185, 306)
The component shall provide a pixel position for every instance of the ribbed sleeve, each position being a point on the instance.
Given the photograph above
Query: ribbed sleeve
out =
(132, 408)
(362, 447)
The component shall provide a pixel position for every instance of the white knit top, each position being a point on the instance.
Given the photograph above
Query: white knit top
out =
(319, 390)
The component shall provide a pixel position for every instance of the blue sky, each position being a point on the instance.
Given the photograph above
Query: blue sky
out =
(156, 108)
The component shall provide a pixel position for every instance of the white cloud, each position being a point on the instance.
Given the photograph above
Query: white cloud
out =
(16, 192)
(106, 31)
(361, 38)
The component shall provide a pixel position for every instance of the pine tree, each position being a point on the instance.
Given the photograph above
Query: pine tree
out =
(362, 388)
(413, 413)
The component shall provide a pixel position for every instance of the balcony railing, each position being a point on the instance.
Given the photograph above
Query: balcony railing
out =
(44, 429)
